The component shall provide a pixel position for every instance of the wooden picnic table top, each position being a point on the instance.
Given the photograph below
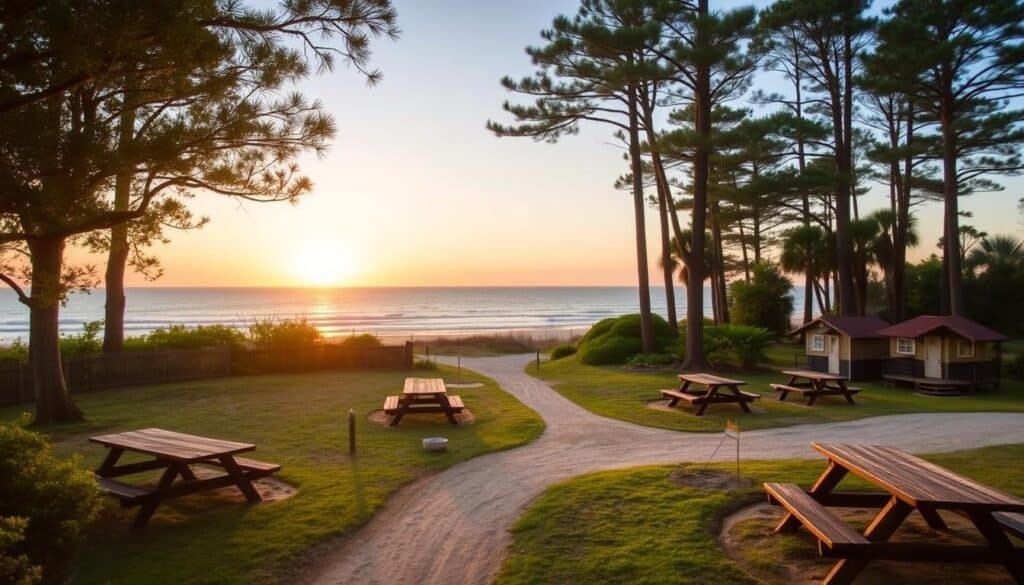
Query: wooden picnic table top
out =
(424, 386)
(812, 375)
(710, 379)
(916, 481)
(171, 445)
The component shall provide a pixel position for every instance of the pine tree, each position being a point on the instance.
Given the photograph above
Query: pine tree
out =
(960, 61)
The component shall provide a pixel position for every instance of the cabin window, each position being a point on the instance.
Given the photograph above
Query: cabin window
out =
(906, 346)
(964, 348)
(817, 343)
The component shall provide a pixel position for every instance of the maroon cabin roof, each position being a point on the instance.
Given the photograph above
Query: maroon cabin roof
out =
(855, 327)
(925, 324)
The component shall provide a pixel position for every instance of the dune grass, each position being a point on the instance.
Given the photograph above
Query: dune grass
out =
(299, 421)
(636, 526)
(623, 393)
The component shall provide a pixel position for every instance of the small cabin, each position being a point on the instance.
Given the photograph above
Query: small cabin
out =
(848, 346)
(953, 349)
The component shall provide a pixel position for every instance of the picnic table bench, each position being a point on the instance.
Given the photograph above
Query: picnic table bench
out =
(423, 396)
(812, 385)
(175, 453)
(909, 484)
(702, 390)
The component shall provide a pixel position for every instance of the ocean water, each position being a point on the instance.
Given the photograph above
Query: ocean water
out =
(340, 311)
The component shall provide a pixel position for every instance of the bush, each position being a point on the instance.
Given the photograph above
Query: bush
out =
(54, 498)
(362, 341)
(560, 351)
(765, 301)
(616, 339)
(87, 342)
(425, 364)
(743, 343)
(17, 351)
(15, 567)
(286, 334)
(650, 360)
(182, 337)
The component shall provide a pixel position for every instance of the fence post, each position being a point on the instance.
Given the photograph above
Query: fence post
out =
(538, 361)
(351, 432)
(460, 368)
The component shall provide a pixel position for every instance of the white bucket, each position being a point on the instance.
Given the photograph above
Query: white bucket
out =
(435, 444)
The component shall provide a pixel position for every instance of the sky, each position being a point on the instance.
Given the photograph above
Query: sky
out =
(416, 192)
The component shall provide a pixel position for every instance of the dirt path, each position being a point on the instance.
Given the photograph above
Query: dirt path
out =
(453, 527)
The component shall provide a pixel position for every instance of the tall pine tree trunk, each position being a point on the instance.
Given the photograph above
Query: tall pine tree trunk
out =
(902, 229)
(117, 257)
(643, 278)
(952, 261)
(842, 128)
(695, 291)
(663, 211)
(53, 401)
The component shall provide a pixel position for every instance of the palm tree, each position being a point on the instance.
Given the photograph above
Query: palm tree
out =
(992, 251)
(863, 234)
(884, 249)
(805, 249)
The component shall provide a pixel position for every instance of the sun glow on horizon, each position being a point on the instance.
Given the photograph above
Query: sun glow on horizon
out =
(323, 264)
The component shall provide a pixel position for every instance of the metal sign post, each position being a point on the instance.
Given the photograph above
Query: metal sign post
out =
(732, 431)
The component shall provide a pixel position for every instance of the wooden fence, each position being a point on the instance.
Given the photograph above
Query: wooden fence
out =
(94, 372)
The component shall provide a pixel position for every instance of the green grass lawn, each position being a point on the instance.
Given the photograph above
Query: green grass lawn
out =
(623, 393)
(299, 421)
(636, 526)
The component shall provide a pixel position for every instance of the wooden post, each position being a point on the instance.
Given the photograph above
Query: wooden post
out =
(351, 432)
(460, 368)
(538, 361)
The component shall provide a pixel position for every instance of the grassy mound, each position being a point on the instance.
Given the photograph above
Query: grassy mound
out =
(615, 340)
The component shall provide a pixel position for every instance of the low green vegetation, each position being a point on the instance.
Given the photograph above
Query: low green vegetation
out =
(742, 344)
(489, 344)
(625, 394)
(560, 351)
(617, 339)
(299, 421)
(45, 504)
(639, 526)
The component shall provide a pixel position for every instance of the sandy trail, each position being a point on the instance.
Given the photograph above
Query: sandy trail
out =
(453, 527)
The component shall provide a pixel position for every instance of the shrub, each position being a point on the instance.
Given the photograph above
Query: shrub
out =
(286, 334)
(55, 498)
(85, 343)
(560, 351)
(362, 341)
(650, 360)
(765, 301)
(17, 351)
(15, 567)
(425, 364)
(744, 343)
(182, 337)
(616, 339)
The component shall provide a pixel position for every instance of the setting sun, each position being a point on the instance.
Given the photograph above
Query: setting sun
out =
(322, 264)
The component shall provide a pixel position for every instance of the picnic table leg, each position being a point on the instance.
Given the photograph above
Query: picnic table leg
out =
(243, 483)
(999, 542)
(187, 473)
(708, 398)
(812, 396)
(933, 519)
(149, 506)
(443, 401)
(110, 461)
(881, 528)
(399, 413)
(846, 392)
(827, 481)
(740, 397)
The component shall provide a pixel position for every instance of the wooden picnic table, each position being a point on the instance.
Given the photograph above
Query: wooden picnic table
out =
(909, 484)
(175, 453)
(708, 392)
(814, 384)
(423, 395)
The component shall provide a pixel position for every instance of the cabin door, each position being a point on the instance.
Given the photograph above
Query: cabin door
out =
(932, 357)
(833, 354)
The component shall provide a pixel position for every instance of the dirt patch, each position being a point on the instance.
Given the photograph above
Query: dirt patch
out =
(747, 537)
(708, 479)
(378, 417)
(662, 405)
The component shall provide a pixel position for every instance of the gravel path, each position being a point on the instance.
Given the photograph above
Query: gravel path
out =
(453, 527)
